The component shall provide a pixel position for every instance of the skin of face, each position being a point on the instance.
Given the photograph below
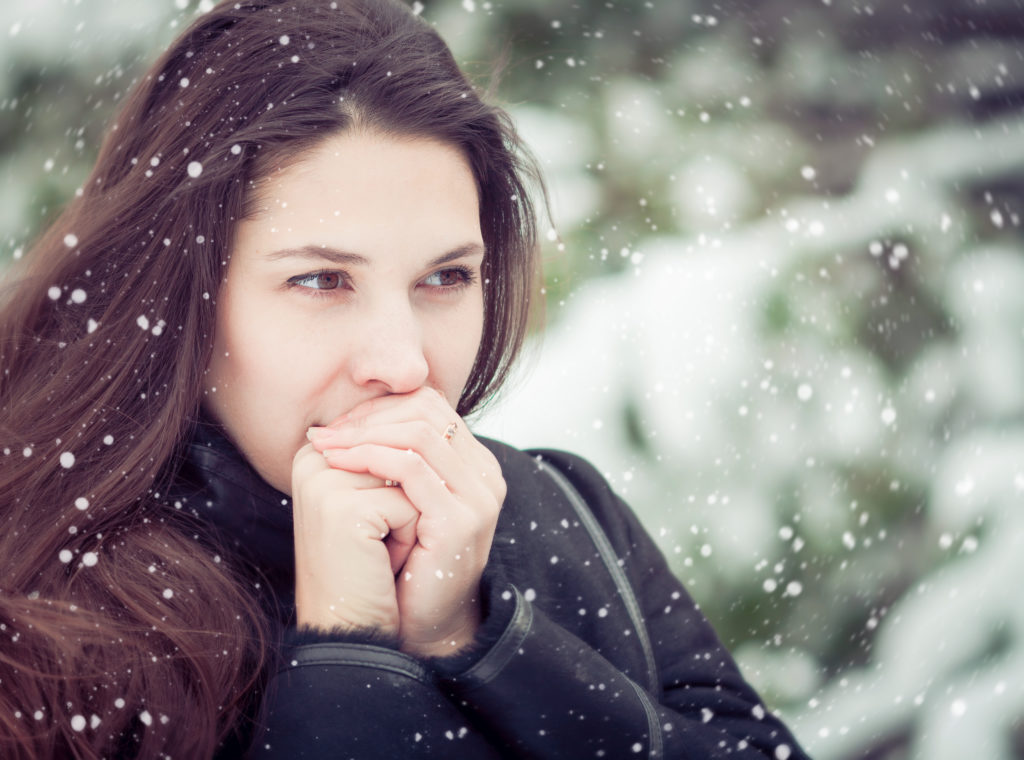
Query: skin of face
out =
(357, 276)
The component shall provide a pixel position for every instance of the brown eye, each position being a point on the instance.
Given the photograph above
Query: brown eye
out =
(318, 280)
(327, 280)
(449, 278)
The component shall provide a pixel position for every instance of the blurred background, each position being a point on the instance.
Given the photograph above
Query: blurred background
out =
(785, 307)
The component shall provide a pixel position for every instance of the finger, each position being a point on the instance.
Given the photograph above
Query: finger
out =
(401, 524)
(451, 465)
(451, 528)
(304, 463)
(380, 515)
(427, 492)
(457, 462)
(470, 471)
(425, 404)
(426, 477)
(419, 403)
(434, 443)
(308, 461)
(443, 430)
(401, 465)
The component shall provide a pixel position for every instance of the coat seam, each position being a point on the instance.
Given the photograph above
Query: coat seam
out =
(653, 725)
(611, 563)
(356, 663)
(377, 660)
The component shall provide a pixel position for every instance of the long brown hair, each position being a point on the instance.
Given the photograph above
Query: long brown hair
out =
(119, 632)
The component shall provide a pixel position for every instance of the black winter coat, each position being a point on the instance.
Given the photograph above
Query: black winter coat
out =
(590, 646)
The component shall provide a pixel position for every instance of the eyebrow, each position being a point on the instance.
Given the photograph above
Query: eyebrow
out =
(342, 258)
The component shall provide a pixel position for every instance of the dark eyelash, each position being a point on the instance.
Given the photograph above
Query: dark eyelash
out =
(466, 275)
(293, 282)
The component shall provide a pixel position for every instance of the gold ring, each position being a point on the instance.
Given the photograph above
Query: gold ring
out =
(392, 483)
(449, 432)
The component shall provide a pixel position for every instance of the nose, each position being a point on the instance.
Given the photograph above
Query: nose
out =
(389, 354)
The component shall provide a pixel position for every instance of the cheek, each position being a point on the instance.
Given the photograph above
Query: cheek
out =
(258, 368)
(274, 366)
(245, 371)
(252, 393)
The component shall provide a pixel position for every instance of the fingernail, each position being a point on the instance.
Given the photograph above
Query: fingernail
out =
(331, 453)
(316, 433)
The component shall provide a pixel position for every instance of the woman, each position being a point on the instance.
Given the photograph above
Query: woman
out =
(243, 513)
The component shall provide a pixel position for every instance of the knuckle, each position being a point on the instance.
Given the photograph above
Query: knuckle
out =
(428, 397)
(490, 460)
(490, 505)
(500, 491)
(404, 466)
(359, 422)
(413, 464)
(303, 451)
(428, 392)
(305, 462)
(478, 522)
(422, 433)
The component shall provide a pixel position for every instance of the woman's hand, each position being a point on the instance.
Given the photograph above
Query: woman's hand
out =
(455, 487)
(351, 536)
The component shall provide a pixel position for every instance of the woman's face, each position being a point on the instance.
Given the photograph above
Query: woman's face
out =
(358, 276)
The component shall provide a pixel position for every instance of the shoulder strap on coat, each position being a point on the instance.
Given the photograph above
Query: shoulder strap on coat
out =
(611, 563)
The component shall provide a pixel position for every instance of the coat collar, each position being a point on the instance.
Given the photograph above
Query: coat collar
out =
(247, 516)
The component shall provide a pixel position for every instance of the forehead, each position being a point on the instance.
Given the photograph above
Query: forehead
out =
(366, 192)
(363, 159)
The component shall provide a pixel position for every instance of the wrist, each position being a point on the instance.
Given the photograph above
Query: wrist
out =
(319, 616)
(454, 642)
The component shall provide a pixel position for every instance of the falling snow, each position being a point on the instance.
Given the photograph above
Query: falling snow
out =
(828, 330)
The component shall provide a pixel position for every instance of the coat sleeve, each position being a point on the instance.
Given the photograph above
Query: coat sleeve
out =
(545, 693)
(344, 699)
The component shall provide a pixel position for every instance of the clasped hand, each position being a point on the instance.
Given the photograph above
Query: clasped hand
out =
(404, 560)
